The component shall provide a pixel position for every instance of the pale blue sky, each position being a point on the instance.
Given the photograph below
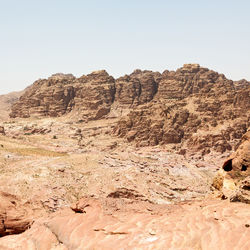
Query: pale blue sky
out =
(42, 37)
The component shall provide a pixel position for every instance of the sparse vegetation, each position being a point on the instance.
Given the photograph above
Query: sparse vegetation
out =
(35, 151)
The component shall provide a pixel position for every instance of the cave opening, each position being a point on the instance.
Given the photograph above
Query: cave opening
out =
(243, 167)
(228, 165)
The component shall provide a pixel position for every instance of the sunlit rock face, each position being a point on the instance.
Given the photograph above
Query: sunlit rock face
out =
(91, 96)
(118, 224)
(194, 107)
(233, 180)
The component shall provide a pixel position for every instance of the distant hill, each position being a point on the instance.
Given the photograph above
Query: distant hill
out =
(6, 101)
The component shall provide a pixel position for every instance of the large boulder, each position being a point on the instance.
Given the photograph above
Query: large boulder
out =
(15, 217)
(233, 179)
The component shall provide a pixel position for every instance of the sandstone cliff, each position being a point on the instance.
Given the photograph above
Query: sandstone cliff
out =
(193, 107)
(6, 101)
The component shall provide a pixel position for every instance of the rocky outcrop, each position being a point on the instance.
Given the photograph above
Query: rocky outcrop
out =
(241, 83)
(94, 95)
(137, 88)
(6, 101)
(233, 180)
(194, 107)
(90, 96)
(112, 224)
(15, 217)
(51, 97)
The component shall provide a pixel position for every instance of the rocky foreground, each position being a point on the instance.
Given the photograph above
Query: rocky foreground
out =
(119, 224)
(146, 161)
(145, 199)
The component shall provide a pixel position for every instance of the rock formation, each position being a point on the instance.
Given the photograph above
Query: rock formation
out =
(15, 217)
(193, 107)
(112, 224)
(90, 95)
(6, 102)
(138, 88)
(233, 180)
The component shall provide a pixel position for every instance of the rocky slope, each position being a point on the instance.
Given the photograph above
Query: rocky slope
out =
(91, 95)
(192, 107)
(6, 102)
(195, 108)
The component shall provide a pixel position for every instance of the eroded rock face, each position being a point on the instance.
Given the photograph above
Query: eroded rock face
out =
(233, 180)
(46, 97)
(91, 96)
(137, 88)
(194, 107)
(94, 95)
(117, 224)
(15, 217)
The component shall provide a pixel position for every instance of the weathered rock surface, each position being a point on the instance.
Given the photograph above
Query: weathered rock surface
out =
(194, 107)
(94, 95)
(112, 224)
(15, 217)
(51, 97)
(6, 101)
(91, 96)
(233, 180)
(137, 88)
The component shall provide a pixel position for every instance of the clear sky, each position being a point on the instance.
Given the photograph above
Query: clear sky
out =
(42, 37)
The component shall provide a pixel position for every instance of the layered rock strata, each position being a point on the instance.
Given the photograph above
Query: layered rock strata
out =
(193, 107)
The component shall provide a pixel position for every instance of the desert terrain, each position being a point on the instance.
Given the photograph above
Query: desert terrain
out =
(146, 161)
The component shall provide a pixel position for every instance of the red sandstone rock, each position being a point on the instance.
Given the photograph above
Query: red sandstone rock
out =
(233, 179)
(14, 216)
(106, 224)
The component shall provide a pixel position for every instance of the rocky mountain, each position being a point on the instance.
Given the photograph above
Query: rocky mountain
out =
(6, 102)
(193, 107)
(91, 95)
